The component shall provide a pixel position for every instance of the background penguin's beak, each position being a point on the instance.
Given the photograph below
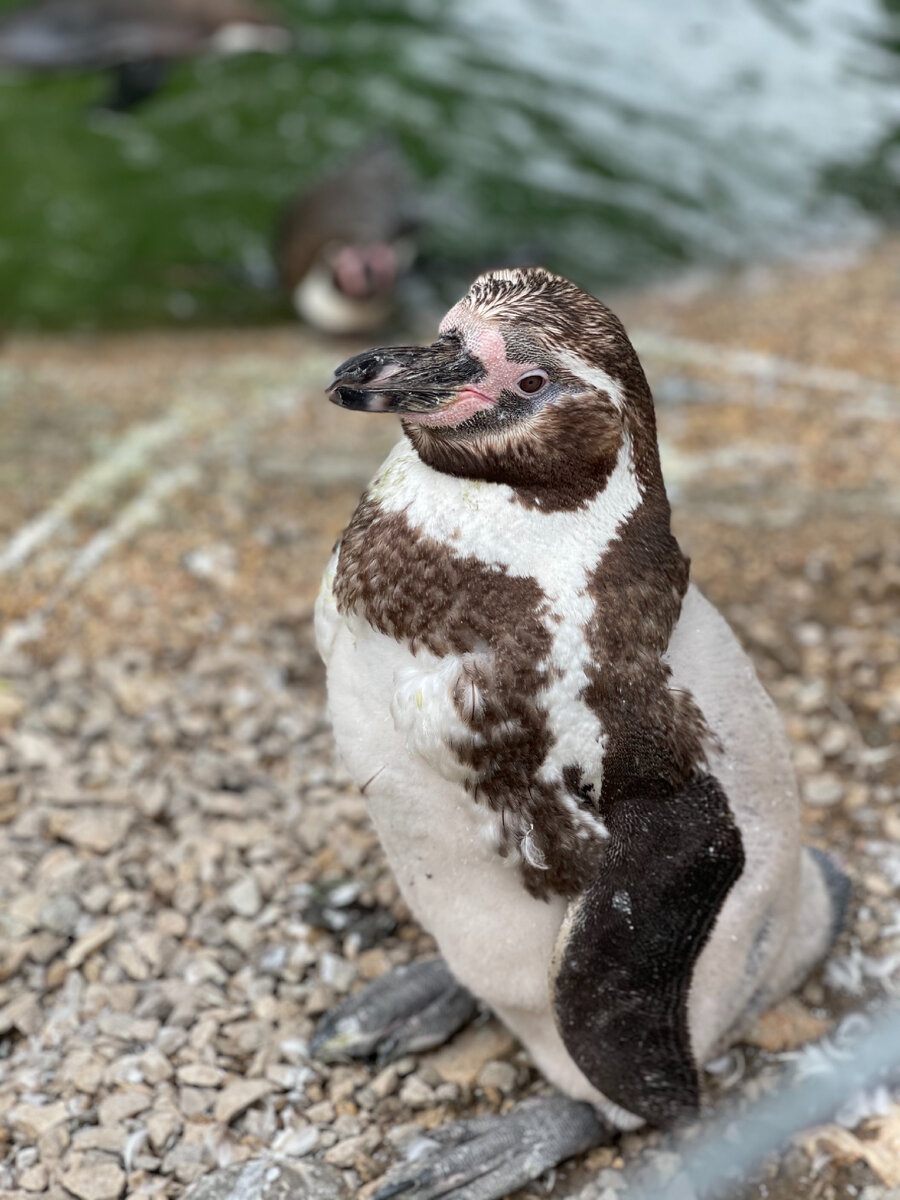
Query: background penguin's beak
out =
(406, 379)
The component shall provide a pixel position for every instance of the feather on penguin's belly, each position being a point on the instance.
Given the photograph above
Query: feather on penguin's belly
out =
(442, 844)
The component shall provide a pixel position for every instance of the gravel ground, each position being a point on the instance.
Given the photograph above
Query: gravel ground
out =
(189, 879)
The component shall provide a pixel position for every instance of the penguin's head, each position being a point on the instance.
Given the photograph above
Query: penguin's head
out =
(530, 380)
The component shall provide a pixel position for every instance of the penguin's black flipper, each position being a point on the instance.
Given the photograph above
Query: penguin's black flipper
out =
(490, 1157)
(411, 1009)
(628, 946)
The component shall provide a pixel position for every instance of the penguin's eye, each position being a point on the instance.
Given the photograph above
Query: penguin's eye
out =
(532, 382)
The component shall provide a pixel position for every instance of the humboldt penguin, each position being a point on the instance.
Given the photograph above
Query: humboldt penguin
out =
(344, 244)
(582, 788)
(134, 39)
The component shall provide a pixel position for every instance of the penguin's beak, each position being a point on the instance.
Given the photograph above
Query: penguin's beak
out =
(406, 379)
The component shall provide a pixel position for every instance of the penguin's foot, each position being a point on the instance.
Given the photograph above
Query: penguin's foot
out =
(410, 1009)
(489, 1157)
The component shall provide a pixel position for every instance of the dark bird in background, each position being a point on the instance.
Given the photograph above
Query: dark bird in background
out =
(343, 245)
(135, 40)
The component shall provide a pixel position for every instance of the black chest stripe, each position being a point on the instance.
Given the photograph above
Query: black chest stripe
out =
(623, 975)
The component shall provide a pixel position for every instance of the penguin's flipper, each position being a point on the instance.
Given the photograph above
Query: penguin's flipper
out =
(408, 1010)
(628, 945)
(490, 1157)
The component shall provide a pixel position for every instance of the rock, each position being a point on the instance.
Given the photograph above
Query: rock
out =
(85, 1072)
(416, 1093)
(23, 1013)
(45, 946)
(461, 1060)
(294, 1143)
(241, 933)
(823, 791)
(243, 897)
(787, 1027)
(337, 972)
(238, 1097)
(122, 1105)
(269, 1179)
(34, 1120)
(11, 708)
(99, 830)
(500, 1075)
(102, 933)
(384, 1082)
(127, 1028)
(807, 759)
(97, 1181)
(346, 1153)
(109, 1138)
(199, 1075)
(60, 915)
(834, 741)
(37, 751)
(321, 1113)
(35, 1179)
(60, 718)
(215, 564)
(163, 1126)
(23, 914)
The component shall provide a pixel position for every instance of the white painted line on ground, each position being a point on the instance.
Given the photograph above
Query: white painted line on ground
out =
(764, 368)
(211, 405)
(129, 457)
(140, 513)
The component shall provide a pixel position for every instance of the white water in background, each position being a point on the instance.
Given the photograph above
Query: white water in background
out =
(716, 117)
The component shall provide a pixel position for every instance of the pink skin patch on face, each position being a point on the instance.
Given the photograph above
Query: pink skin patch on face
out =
(465, 404)
(488, 346)
(364, 271)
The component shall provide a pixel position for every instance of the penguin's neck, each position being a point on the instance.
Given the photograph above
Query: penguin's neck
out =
(488, 521)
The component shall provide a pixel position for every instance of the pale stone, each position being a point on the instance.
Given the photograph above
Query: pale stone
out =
(122, 1105)
(35, 1179)
(200, 1075)
(85, 1072)
(127, 1028)
(823, 791)
(787, 1027)
(11, 707)
(163, 1126)
(461, 1060)
(154, 1066)
(384, 1082)
(97, 1181)
(270, 1179)
(33, 1120)
(294, 1143)
(415, 1093)
(99, 831)
(238, 1097)
(23, 1013)
(345, 1153)
(244, 897)
(91, 942)
(500, 1075)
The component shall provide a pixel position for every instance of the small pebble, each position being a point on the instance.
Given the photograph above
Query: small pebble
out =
(823, 791)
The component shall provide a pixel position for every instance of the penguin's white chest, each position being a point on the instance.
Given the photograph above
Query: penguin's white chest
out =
(400, 716)
(394, 714)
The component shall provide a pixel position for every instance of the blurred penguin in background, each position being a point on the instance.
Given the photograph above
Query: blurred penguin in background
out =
(135, 40)
(343, 245)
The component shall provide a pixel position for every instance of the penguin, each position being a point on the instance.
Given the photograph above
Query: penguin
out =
(582, 788)
(134, 39)
(342, 246)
